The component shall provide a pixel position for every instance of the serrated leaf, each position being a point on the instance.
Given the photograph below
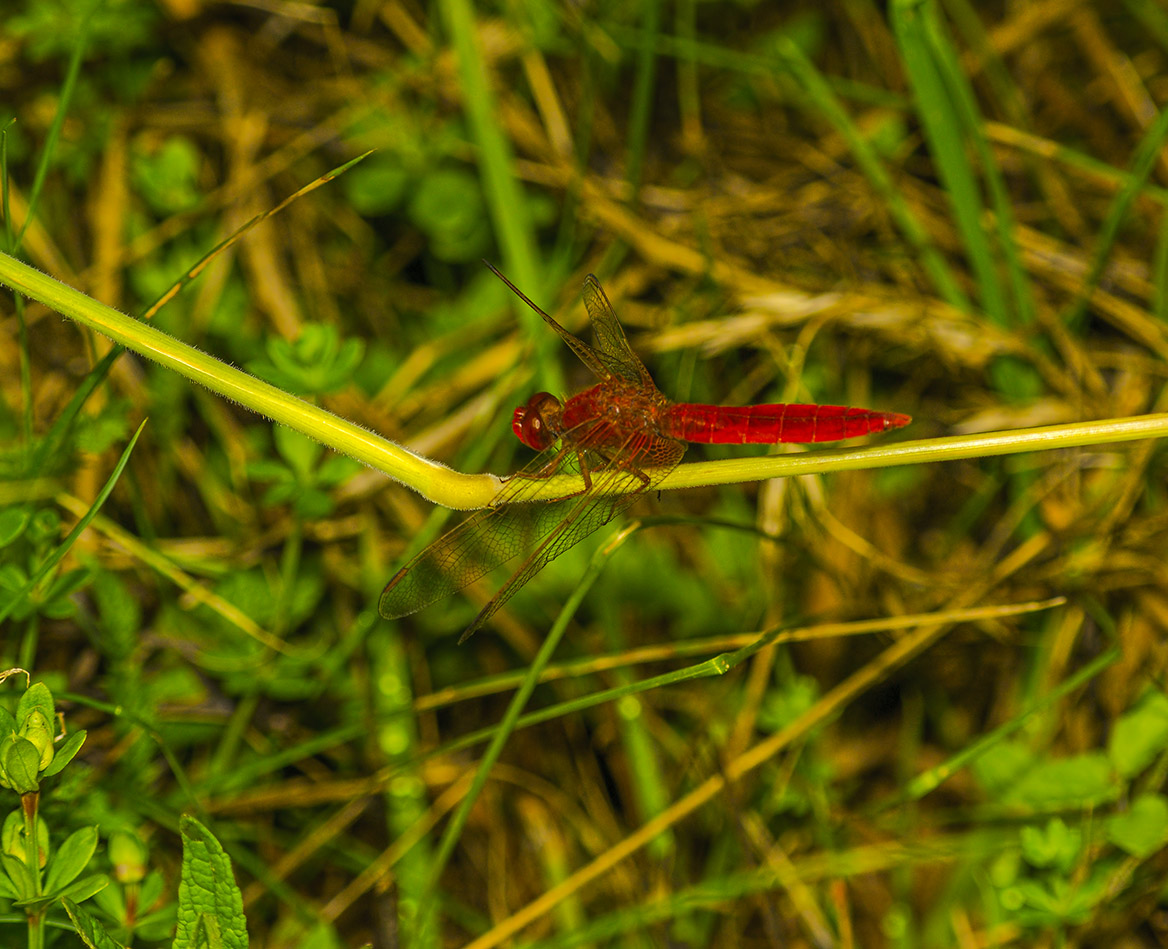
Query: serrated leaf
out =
(66, 753)
(207, 890)
(92, 932)
(70, 859)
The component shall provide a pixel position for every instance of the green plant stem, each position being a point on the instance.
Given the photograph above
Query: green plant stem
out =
(450, 488)
(36, 921)
(453, 489)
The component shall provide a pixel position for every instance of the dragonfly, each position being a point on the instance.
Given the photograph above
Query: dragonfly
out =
(621, 438)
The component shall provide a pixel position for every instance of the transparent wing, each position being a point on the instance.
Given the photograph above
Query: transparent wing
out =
(484, 541)
(613, 348)
(514, 525)
(613, 356)
(613, 491)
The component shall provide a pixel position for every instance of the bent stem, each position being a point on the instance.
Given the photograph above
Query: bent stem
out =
(454, 489)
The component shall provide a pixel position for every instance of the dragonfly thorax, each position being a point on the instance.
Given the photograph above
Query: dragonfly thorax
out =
(537, 422)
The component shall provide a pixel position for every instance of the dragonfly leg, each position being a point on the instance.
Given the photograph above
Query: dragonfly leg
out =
(630, 450)
(585, 473)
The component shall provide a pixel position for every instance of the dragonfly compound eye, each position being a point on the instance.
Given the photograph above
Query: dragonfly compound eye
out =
(535, 424)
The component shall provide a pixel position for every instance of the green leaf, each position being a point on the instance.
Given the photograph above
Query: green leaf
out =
(447, 202)
(299, 451)
(280, 493)
(96, 433)
(63, 548)
(66, 753)
(1054, 845)
(1001, 766)
(92, 932)
(1139, 735)
(56, 602)
(208, 898)
(207, 933)
(335, 469)
(70, 859)
(36, 695)
(119, 615)
(13, 522)
(268, 469)
(111, 902)
(312, 503)
(1080, 781)
(168, 175)
(19, 877)
(20, 762)
(377, 187)
(128, 855)
(1142, 830)
(81, 890)
(45, 526)
(8, 724)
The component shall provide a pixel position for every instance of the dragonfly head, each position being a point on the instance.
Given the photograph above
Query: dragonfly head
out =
(537, 422)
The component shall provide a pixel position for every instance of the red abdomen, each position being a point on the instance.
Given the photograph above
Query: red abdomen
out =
(771, 424)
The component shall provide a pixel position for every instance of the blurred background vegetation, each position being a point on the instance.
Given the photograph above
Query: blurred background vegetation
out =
(950, 210)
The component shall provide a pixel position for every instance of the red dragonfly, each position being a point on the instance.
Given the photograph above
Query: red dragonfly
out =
(622, 437)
